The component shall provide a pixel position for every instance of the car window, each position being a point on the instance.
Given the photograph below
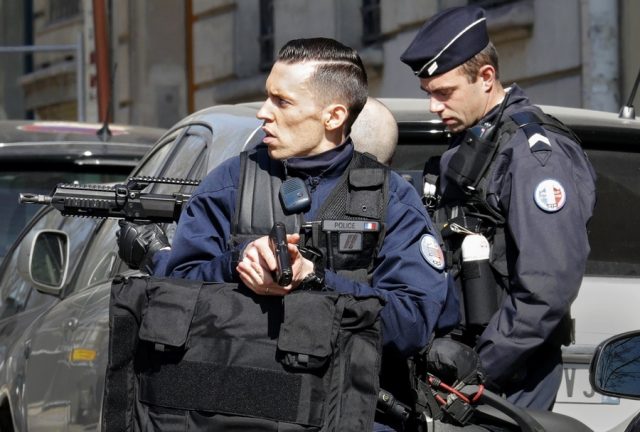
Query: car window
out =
(613, 234)
(187, 154)
(155, 159)
(17, 294)
(613, 231)
(101, 258)
(184, 159)
(415, 147)
(16, 291)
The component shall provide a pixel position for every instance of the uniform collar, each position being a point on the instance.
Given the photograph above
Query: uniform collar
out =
(331, 163)
(517, 98)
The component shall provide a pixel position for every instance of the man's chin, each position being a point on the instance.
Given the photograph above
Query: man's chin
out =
(455, 128)
(275, 154)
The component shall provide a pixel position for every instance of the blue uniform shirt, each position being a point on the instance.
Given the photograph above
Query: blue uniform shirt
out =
(544, 186)
(414, 290)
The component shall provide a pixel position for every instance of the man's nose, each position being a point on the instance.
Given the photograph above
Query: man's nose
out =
(435, 106)
(264, 113)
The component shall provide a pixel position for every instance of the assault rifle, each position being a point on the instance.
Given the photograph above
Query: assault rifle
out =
(122, 201)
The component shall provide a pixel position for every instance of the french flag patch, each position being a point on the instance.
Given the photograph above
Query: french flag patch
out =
(371, 226)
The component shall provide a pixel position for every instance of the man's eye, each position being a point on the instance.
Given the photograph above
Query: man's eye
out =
(443, 93)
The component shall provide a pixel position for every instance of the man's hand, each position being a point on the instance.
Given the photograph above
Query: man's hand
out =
(138, 243)
(258, 262)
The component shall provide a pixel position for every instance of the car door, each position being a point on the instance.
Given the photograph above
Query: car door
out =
(73, 336)
(28, 306)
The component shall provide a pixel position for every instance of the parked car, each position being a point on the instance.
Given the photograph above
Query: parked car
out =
(615, 370)
(56, 372)
(36, 155)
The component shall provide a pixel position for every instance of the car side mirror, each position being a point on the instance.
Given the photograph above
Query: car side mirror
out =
(615, 367)
(43, 260)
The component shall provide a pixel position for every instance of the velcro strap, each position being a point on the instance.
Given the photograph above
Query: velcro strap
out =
(234, 390)
(366, 177)
(118, 393)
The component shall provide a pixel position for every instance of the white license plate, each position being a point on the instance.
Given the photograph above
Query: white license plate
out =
(575, 387)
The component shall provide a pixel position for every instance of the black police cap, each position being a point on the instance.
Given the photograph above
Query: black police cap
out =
(447, 40)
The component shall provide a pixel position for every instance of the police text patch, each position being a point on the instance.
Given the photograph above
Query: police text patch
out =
(550, 195)
(350, 225)
(431, 252)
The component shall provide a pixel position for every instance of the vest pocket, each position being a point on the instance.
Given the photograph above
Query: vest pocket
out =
(169, 305)
(308, 334)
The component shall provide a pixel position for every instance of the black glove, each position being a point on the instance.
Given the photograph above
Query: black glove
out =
(138, 243)
(454, 362)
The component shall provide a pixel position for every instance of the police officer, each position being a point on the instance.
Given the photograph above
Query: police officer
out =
(315, 91)
(516, 190)
(146, 246)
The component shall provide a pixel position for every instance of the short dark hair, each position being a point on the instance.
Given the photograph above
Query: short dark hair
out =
(488, 56)
(340, 75)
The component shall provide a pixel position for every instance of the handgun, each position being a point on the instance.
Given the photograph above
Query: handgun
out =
(278, 242)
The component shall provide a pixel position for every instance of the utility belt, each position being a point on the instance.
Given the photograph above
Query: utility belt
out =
(188, 355)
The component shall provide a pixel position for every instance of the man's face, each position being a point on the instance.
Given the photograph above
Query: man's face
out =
(459, 103)
(292, 115)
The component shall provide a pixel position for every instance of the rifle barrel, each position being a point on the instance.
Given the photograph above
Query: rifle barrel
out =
(30, 198)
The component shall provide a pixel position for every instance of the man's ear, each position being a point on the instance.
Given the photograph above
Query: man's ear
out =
(487, 74)
(334, 116)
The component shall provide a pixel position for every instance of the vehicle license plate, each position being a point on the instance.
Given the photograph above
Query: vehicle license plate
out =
(575, 387)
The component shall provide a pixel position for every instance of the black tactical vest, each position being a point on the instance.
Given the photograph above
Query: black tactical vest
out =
(191, 356)
(351, 220)
(234, 360)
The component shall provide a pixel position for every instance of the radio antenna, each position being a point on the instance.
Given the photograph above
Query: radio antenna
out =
(627, 111)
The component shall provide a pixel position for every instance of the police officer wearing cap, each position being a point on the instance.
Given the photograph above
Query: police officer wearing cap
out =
(514, 193)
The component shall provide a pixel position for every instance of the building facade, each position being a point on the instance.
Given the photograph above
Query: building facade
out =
(170, 57)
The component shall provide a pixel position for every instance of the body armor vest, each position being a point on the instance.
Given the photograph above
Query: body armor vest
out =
(191, 356)
(349, 226)
(231, 359)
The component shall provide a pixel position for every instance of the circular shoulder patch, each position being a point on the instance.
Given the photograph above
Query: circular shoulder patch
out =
(550, 195)
(431, 252)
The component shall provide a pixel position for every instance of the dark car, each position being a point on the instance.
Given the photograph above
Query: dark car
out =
(615, 370)
(36, 155)
(56, 377)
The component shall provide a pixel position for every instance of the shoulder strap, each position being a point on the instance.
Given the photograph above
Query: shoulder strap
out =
(534, 123)
(258, 204)
(361, 193)
(535, 116)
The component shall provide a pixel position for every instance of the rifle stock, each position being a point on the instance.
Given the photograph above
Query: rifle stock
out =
(122, 201)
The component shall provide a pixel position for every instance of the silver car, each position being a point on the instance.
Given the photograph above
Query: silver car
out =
(52, 378)
(35, 156)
